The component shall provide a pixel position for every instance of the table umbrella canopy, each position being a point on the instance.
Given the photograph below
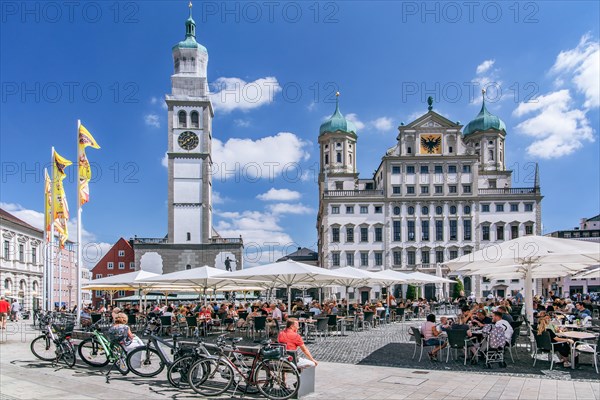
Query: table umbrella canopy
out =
(419, 278)
(522, 257)
(204, 278)
(130, 281)
(529, 250)
(396, 276)
(287, 273)
(352, 277)
(594, 272)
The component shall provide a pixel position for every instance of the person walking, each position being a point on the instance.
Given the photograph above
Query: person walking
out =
(15, 307)
(4, 310)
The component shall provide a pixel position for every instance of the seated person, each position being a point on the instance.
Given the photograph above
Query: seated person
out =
(292, 340)
(430, 337)
(562, 345)
(481, 319)
(505, 315)
(582, 312)
(497, 334)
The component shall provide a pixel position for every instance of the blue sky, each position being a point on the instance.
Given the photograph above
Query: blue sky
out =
(109, 64)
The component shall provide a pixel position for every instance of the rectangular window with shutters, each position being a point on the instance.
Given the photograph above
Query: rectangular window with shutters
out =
(410, 169)
(451, 169)
(424, 189)
(466, 169)
(121, 265)
(364, 209)
(335, 234)
(335, 259)
(335, 209)
(396, 231)
(438, 169)
(410, 190)
(6, 252)
(397, 257)
(453, 254)
(121, 253)
(453, 229)
(21, 253)
(425, 257)
(396, 169)
(350, 259)
(364, 259)
(424, 169)
(410, 257)
(425, 230)
(439, 189)
(411, 230)
(132, 265)
(529, 230)
(514, 207)
(439, 256)
(396, 190)
(349, 209)
(467, 229)
(34, 255)
(378, 234)
(350, 234)
(364, 234)
(500, 232)
(439, 230)
(528, 207)
(451, 188)
(499, 207)
(485, 232)
(485, 208)
(121, 293)
(378, 258)
(110, 265)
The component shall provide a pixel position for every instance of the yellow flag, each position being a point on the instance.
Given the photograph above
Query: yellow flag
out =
(61, 207)
(86, 139)
(47, 203)
(85, 172)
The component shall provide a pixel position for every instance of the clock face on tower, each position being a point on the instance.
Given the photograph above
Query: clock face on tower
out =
(188, 140)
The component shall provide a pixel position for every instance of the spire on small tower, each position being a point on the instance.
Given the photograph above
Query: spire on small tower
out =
(337, 102)
(536, 180)
(430, 103)
(190, 24)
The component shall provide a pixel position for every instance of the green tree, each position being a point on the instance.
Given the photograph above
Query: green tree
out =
(411, 292)
(458, 287)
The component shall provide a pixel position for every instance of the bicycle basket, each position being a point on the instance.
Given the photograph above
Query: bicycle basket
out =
(272, 352)
(63, 329)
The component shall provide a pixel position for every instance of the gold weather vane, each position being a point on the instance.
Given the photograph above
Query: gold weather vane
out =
(337, 94)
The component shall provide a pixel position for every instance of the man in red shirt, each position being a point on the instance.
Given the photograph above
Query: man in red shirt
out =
(292, 340)
(4, 309)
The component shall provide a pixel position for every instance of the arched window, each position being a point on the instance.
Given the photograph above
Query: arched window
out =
(182, 119)
(467, 210)
(7, 284)
(452, 209)
(424, 210)
(350, 159)
(339, 157)
(491, 153)
(439, 210)
(195, 119)
(35, 286)
(188, 266)
(396, 210)
(22, 285)
(411, 210)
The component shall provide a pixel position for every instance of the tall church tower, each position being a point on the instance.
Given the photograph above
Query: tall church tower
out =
(190, 116)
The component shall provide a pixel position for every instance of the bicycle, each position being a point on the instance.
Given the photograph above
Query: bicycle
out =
(99, 350)
(271, 372)
(153, 358)
(55, 344)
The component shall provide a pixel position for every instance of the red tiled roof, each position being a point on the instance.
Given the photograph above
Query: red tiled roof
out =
(9, 217)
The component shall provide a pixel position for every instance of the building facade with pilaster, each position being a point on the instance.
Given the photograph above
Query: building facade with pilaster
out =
(441, 190)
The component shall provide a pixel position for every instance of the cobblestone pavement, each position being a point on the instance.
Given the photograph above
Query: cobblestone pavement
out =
(22, 376)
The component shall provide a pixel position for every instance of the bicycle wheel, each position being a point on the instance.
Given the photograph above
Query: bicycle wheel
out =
(244, 364)
(121, 362)
(177, 374)
(68, 353)
(92, 353)
(43, 348)
(210, 377)
(145, 361)
(277, 379)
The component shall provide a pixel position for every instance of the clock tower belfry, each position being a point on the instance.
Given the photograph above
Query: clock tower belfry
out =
(190, 116)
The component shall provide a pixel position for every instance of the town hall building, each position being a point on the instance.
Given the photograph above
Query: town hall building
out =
(442, 190)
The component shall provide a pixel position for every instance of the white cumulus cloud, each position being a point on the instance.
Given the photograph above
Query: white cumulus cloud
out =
(287, 208)
(152, 120)
(581, 66)
(354, 118)
(558, 128)
(279, 195)
(236, 94)
(486, 77)
(263, 158)
(485, 66)
(383, 124)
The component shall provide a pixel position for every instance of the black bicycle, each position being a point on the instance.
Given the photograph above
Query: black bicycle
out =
(54, 344)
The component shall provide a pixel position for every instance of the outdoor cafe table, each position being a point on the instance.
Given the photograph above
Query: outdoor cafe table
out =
(575, 336)
(575, 326)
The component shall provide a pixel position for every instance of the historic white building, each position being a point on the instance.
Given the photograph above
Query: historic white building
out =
(441, 191)
(22, 263)
(191, 241)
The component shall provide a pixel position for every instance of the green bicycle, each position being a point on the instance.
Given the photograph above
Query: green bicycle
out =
(100, 350)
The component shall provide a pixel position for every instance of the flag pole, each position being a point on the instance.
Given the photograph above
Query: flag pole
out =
(79, 248)
(51, 263)
(45, 280)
